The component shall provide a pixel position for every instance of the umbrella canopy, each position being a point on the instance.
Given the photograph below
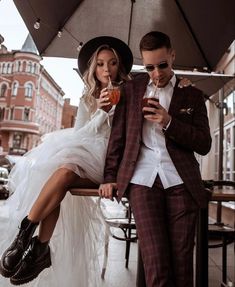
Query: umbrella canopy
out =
(209, 83)
(201, 31)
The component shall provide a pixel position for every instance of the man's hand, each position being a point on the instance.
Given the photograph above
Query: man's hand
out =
(106, 190)
(158, 114)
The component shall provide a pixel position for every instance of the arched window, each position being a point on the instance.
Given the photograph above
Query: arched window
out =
(14, 89)
(28, 90)
(3, 90)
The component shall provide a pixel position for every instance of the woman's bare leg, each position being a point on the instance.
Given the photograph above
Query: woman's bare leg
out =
(47, 206)
(47, 225)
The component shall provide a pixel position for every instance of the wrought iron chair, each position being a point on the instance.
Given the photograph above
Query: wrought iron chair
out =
(126, 223)
(218, 230)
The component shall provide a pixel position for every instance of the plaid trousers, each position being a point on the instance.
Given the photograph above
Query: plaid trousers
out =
(165, 221)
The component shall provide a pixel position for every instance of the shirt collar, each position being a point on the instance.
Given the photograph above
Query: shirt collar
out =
(171, 82)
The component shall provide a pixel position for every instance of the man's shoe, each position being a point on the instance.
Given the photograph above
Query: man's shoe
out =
(36, 259)
(11, 258)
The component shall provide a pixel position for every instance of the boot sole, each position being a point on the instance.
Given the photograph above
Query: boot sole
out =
(8, 273)
(20, 281)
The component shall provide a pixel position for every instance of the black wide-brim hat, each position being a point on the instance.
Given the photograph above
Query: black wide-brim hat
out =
(91, 46)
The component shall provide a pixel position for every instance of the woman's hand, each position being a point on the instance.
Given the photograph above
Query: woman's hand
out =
(184, 82)
(103, 101)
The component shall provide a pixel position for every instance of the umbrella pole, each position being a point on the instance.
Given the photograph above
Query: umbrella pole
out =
(221, 148)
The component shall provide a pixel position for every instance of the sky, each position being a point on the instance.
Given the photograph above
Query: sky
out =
(14, 31)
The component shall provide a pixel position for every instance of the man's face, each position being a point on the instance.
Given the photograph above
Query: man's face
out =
(159, 65)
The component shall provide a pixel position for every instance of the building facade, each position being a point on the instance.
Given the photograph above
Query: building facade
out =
(223, 101)
(31, 102)
(69, 114)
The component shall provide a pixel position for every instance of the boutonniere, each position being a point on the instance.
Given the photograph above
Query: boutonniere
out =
(186, 111)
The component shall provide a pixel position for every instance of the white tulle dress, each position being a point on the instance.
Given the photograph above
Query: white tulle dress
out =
(77, 242)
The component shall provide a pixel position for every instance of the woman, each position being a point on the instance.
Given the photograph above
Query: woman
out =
(40, 181)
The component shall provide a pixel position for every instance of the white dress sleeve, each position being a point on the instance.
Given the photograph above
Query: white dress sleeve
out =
(98, 122)
(83, 115)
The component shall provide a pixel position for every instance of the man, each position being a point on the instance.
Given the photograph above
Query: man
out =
(151, 159)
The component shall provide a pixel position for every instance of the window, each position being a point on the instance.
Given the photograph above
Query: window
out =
(34, 68)
(3, 90)
(4, 68)
(26, 114)
(230, 101)
(18, 66)
(9, 68)
(29, 67)
(17, 138)
(28, 90)
(12, 113)
(2, 114)
(14, 89)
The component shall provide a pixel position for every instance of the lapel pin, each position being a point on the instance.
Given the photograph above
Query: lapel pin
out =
(186, 111)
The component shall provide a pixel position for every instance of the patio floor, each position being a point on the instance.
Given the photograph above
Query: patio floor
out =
(117, 275)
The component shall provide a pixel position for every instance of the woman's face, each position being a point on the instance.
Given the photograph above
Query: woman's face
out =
(106, 67)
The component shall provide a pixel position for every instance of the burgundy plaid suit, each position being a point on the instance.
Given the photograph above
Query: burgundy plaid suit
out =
(188, 133)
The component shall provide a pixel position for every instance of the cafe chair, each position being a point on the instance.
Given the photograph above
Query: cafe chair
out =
(218, 230)
(125, 223)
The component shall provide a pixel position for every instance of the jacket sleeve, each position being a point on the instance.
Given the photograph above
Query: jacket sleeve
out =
(194, 136)
(116, 142)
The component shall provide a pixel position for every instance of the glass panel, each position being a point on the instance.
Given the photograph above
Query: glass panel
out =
(216, 143)
(228, 139)
(216, 163)
(227, 161)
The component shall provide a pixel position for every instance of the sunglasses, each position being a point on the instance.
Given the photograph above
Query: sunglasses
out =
(161, 66)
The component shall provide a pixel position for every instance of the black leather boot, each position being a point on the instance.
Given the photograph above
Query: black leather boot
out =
(11, 258)
(37, 258)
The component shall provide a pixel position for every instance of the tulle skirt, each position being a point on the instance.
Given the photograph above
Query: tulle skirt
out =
(78, 240)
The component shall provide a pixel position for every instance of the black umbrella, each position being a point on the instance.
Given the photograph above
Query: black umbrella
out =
(201, 31)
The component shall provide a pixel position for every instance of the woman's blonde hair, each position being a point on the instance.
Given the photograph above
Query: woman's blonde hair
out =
(92, 84)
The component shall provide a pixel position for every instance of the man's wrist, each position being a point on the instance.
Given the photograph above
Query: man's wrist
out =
(167, 125)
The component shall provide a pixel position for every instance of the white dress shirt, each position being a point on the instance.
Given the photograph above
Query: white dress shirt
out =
(154, 158)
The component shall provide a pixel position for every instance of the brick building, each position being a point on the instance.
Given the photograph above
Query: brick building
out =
(31, 102)
(69, 114)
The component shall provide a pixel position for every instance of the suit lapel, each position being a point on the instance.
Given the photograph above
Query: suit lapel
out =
(139, 88)
(176, 99)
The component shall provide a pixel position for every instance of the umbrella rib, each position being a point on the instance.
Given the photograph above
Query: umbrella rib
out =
(130, 22)
(193, 34)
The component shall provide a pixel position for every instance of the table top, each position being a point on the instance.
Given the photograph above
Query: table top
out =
(223, 194)
(84, 191)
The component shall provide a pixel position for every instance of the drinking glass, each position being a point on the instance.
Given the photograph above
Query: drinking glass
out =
(145, 103)
(114, 93)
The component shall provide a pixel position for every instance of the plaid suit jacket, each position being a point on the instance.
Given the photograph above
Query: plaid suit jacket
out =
(188, 133)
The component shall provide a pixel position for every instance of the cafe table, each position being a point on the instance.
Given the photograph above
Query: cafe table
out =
(224, 194)
(201, 270)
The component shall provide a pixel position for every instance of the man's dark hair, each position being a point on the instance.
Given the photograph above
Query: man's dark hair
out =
(154, 40)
